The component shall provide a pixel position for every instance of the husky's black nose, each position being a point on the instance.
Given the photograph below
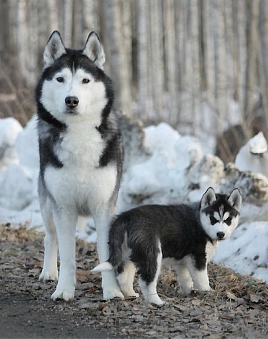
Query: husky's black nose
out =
(71, 102)
(220, 235)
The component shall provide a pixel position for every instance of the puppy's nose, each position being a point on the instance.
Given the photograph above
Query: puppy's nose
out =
(71, 102)
(220, 235)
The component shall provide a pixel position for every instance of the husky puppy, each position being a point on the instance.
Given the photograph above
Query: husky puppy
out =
(80, 157)
(182, 235)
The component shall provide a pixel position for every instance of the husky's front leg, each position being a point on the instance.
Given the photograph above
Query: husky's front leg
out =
(109, 282)
(50, 269)
(66, 225)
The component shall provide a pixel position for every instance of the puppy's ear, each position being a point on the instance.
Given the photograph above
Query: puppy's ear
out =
(235, 199)
(93, 49)
(208, 197)
(54, 49)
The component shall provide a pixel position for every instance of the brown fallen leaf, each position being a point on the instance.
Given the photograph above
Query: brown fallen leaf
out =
(231, 296)
(82, 276)
(254, 298)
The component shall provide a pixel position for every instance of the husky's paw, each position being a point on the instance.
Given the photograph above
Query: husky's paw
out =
(46, 275)
(63, 294)
(204, 288)
(109, 294)
(207, 289)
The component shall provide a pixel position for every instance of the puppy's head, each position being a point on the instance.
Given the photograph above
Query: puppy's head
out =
(219, 213)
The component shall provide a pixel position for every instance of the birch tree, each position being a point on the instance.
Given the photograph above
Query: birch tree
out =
(171, 62)
(143, 83)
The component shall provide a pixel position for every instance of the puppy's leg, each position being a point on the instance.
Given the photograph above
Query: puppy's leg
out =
(184, 278)
(50, 269)
(110, 285)
(199, 276)
(148, 279)
(125, 279)
(65, 222)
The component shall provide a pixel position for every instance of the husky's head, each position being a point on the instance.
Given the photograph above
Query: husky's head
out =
(73, 84)
(219, 213)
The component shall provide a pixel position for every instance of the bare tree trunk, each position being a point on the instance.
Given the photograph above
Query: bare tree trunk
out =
(261, 58)
(22, 41)
(52, 16)
(222, 71)
(91, 17)
(119, 54)
(195, 77)
(68, 10)
(33, 42)
(171, 62)
(5, 33)
(78, 38)
(143, 83)
(156, 51)
(251, 64)
(180, 56)
(210, 64)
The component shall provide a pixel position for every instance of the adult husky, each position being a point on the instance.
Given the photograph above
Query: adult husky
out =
(80, 157)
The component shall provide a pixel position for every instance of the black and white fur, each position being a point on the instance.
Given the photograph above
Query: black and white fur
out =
(80, 157)
(182, 235)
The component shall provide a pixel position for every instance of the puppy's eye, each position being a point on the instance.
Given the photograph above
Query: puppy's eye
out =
(228, 221)
(213, 220)
(85, 81)
(60, 79)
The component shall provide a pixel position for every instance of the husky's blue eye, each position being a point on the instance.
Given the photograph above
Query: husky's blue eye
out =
(85, 81)
(60, 79)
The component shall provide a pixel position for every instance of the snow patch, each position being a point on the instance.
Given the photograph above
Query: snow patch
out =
(176, 170)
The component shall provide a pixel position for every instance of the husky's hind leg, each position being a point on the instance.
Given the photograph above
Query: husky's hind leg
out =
(110, 285)
(50, 269)
(125, 279)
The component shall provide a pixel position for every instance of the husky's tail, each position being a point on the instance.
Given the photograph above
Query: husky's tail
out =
(116, 239)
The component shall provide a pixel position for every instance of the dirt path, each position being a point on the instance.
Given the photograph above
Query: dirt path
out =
(237, 309)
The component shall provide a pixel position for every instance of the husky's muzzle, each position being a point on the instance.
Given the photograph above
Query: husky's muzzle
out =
(71, 103)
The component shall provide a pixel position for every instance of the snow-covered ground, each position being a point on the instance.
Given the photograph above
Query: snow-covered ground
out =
(172, 165)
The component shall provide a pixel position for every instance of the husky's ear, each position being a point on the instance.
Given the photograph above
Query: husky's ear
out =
(93, 50)
(208, 197)
(54, 49)
(235, 199)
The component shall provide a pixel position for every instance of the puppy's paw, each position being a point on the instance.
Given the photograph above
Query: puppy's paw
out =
(155, 300)
(186, 291)
(63, 294)
(132, 295)
(112, 293)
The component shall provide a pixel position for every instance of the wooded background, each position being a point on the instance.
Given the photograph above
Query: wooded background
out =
(200, 65)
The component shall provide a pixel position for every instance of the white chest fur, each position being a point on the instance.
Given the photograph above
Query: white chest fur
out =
(81, 144)
(81, 183)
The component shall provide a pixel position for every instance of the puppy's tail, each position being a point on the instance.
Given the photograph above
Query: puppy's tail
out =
(116, 240)
(104, 266)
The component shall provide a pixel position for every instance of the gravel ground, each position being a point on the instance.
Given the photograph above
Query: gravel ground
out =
(237, 308)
